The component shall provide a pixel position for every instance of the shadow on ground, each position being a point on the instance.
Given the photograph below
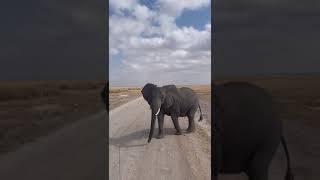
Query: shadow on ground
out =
(133, 139)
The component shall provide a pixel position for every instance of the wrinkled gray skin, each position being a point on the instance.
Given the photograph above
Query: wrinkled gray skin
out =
(247, 131)
(171, 101)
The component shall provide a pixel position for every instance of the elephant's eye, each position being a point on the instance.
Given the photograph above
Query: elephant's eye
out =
(161, 96)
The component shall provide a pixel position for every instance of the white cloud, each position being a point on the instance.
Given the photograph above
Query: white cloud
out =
(119, 5)
(154, 48)
(142, 12)
(179, 53)
(175, 7)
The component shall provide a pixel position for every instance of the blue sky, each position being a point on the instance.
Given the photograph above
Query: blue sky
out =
(195, 18)
(159, 41)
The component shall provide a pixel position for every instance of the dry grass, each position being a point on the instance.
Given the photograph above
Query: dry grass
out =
(124, 90)
(203, 91)
(30, 90)
(32, 109)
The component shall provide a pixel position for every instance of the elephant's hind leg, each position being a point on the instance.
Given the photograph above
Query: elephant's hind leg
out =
(191, 126)
(258, 168)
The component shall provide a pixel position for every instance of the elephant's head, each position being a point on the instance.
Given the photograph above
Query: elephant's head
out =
(156, 98)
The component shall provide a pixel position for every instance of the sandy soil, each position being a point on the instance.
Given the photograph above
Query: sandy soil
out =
(172, 158)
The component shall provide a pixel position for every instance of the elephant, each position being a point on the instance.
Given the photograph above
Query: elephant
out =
(247, 131)
(172, 101)
(104, 96)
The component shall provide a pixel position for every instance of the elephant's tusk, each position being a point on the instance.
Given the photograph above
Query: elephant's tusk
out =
(158, 112)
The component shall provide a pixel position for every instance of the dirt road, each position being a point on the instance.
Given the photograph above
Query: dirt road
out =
(184, 157)
(76, 151)
(159, 159)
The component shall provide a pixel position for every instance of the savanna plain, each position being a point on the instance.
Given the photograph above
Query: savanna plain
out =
(32, 109)
(29, 110)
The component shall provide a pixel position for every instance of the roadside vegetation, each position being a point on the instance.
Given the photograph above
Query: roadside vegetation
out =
(203, 91)
(32, 109)
(31, 90)
(124, 90)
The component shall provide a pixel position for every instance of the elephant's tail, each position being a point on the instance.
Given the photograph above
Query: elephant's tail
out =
(289, 174)
(201, 117)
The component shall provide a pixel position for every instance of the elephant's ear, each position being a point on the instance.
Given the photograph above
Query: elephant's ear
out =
(171, 95)
(147, 91)
(168, 100)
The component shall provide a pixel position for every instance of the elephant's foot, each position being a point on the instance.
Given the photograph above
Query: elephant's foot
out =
(178, 133)
(159, 136)
(190, 130)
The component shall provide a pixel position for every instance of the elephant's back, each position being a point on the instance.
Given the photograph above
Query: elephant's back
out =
(241, 99)
(188, 95)
(246, 107)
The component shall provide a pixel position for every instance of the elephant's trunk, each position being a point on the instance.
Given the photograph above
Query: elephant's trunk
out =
(153, 120)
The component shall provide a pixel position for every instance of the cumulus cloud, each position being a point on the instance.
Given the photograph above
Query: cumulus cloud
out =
(118, 5)
(175, 7)
(153, 48)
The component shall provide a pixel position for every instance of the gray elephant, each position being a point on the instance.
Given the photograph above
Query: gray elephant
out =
(104, 96)
(172, 101)
(247, 131)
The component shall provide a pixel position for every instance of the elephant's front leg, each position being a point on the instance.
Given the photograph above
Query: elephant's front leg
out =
(160, 123)
(176, 124)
